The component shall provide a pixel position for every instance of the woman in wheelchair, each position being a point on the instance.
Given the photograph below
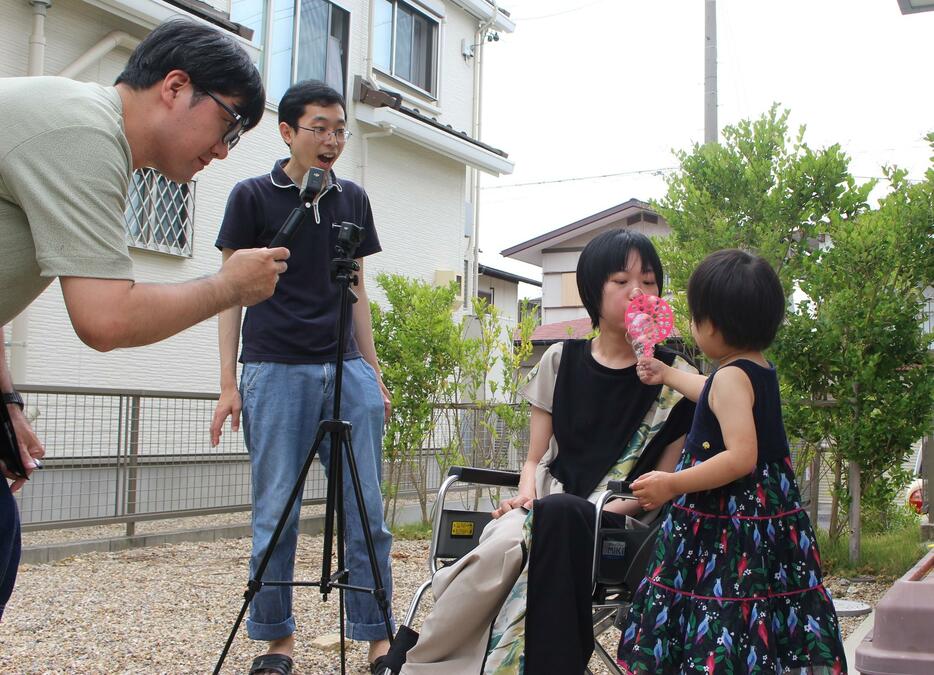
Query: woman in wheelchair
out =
(520, 602)
(734, 583)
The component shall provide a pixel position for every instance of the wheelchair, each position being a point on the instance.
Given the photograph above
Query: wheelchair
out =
(620, 557)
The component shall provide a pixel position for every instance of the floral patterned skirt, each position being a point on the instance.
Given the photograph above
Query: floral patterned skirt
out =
(734, 586)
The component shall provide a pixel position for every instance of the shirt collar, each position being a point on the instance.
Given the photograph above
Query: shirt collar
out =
(281, 179)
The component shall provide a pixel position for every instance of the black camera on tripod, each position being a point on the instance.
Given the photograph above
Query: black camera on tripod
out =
(349, 236)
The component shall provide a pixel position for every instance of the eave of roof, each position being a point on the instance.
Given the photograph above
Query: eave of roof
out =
(578, 225)
(506, 276)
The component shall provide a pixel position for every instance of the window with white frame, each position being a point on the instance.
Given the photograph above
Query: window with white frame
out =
(160, 213)
(405, 44)
(298, 40)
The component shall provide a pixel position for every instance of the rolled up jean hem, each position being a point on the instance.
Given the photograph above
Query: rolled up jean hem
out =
(367, 632)
(270, 631)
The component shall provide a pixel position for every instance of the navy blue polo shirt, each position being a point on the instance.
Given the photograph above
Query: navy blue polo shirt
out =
(298, 324)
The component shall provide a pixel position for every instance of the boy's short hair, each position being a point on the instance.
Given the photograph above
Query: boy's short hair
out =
(305, 93)
(213, 60)
(741, 295)
(607, 254)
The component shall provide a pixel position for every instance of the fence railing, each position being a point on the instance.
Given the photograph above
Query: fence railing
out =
(124, 456)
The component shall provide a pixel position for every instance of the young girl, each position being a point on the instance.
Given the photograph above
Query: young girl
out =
(735, 583)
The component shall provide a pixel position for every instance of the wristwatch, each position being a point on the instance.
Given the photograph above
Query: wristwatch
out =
(13, 397)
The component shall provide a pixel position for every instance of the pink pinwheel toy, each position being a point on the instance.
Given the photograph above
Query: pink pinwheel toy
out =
(649, 320)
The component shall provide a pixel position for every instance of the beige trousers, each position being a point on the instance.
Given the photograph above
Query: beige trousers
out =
(468, 596)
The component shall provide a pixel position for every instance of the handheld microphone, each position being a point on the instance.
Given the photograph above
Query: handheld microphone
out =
(311, 186)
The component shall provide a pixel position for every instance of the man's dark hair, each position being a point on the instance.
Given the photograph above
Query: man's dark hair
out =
(305, 93)
(607, 254)
(740, 294)
(213, 60)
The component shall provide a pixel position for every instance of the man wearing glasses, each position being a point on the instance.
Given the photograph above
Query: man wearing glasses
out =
(288, 357)
(67, 153)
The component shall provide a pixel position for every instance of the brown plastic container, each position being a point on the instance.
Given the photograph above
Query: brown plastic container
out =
(902, 638)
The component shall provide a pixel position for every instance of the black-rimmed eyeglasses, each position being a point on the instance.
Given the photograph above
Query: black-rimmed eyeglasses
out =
(232, 136)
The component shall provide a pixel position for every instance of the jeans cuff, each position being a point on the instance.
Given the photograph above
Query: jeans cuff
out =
(270, 631)
(366, 632)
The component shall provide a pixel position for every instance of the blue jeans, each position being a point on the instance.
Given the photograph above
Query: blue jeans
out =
(282, 406)
(9, 542)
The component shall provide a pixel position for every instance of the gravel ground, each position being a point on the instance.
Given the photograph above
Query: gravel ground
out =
(169, 609)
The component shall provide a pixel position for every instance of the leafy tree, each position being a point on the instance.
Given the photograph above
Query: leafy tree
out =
(416, 339)
(856, 339)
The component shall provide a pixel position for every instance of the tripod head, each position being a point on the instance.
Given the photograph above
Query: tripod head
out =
(343, 266)
(349, 236)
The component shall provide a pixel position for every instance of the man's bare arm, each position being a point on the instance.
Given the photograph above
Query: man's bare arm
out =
(228, 341)
(111, 313)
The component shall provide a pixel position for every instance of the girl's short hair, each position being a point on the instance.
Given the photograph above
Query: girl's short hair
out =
(740, 294)
(607, 254)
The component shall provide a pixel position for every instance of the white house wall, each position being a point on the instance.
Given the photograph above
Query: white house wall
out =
(418, 200)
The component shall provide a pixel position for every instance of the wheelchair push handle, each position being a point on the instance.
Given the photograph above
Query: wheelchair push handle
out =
(469, 474)
(620, 488)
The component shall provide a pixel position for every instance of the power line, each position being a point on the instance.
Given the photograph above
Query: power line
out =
(655, 172)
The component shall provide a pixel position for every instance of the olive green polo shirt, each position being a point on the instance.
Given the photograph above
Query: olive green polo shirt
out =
(65, 167)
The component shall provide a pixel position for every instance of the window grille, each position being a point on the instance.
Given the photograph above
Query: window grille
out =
(160, 214)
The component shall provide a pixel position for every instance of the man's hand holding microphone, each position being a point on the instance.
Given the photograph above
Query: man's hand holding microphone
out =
(252, 273)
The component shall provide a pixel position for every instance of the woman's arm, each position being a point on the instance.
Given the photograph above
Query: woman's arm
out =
(731, 398)
(540, 433)
(667, 462)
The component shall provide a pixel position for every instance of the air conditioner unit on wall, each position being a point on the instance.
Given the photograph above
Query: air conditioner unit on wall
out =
(445, 277)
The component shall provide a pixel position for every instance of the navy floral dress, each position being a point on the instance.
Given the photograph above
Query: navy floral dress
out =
(735, 583)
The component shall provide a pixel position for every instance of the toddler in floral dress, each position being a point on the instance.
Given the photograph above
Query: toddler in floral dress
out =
(735, 583)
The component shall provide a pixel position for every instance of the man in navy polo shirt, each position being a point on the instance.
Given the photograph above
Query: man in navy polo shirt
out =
(288, 357)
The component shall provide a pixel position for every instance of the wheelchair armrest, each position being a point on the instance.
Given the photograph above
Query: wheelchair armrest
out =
(470, 474)
(620, 487)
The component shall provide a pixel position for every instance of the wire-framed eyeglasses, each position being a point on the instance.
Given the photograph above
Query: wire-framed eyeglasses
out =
(322, 133)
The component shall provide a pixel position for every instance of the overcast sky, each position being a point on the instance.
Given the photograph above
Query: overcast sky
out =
(585, 88)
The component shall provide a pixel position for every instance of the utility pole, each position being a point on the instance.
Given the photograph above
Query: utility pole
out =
(711, 130)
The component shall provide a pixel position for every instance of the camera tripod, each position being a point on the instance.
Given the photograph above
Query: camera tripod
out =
(343, 272)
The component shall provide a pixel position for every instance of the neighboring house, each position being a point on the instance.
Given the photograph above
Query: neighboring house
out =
(410, 71)
(501, 289)
(557, 252)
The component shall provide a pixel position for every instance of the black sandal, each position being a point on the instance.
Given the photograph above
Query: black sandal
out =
(272, 663)
(377, 667)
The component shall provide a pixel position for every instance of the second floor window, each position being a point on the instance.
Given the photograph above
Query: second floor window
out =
(299, 40)
(405, 44)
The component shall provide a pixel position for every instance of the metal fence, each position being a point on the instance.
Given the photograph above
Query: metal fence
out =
(123, 456)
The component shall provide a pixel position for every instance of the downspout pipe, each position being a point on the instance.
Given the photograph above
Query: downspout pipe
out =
(480, 41)
(35, 65)
(104, 46)
(365, 150)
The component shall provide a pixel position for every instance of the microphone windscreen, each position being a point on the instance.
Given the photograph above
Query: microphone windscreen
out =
(314, 179)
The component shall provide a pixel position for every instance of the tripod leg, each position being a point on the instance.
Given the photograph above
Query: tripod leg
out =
(257, 581)
(338, 465)
(379, 591)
